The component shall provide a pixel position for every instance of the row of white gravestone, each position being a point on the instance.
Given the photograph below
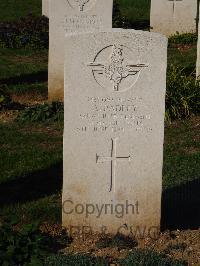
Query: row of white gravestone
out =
(167, 16)
(198, 53)
(115, 85)
(174, 16)
(72, 16)
(177, 16)
(45, 8)
(115, 82)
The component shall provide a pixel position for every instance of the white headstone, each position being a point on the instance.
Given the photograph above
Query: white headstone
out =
(171, 16)
(45, 8)
(114, 127)
(198, 53)
(67, 16)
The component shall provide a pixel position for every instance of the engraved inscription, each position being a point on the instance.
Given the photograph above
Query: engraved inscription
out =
(115, 68)
(81, 5)
(113, 159)
(122, 114)
(82, 22)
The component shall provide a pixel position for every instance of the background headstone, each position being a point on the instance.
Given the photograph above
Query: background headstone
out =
(114, 128)
(45, 8)
(171, 16)
(67, 16)
(198, 52)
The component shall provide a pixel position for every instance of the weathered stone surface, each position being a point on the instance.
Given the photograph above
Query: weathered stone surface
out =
(171, 16)
(114, 127)
(198, 53)
(67, 16)
(45, 8)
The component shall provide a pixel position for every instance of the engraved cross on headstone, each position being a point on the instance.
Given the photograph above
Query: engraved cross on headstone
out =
(113, 159)
(174, 3)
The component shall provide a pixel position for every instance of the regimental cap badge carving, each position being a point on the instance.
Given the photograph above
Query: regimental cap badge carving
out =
(112, 68)
(81, 5)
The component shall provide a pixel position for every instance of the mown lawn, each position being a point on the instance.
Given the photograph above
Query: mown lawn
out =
(23, 69)
(24, 72)
(31, 155)
(31, 160)
(26, 149)
(13, 9)
(30, 171)
(183, 57)
(136, 10)
(31, 166)
(21, 62)
(181, 153)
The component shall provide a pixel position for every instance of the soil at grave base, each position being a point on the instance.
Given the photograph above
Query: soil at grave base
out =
(26, 100)
(29, 98)
(8, 116)
(179, 245)
(183, 48)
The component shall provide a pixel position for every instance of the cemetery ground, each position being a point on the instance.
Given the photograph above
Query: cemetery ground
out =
(31, 164)
(11, 10)
(31, 170)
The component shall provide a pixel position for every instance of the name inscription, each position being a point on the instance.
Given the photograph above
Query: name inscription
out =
(82, 22)
(107, 114)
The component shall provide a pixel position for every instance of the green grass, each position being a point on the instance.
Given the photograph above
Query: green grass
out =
(25, 150)
(28, 152)
(181, 153)
(43, 209)
(30, 156)
(136, 258)
(35, 89)
(149, 258)
(31, 67)
(31, 172)
(24, 71)
(183, 58)
(136, 10)
(75, 260)
(18, 62)
(14, 9)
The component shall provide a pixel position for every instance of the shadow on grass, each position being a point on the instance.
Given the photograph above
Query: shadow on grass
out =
(40, 76)
(138, 25)
(32, 187)
(181, 207)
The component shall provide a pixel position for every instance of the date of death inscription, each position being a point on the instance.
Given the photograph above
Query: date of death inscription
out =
(107, 114)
